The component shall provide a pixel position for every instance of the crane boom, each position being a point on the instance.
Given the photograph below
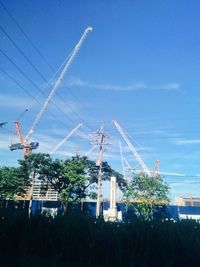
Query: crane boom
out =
(122, 158)
(128, 166)
(136, 155)
(59, 80)
(66, 138)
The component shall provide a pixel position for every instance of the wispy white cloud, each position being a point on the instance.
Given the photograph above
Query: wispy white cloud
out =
(169, 86)
(84, 135)
(4, 141)
(181, 141)
(11, 101)
(176, 166)
(48, 142)
(65, 153)
(173, 174)
(126, 149)
(187, 182)
(67, 106)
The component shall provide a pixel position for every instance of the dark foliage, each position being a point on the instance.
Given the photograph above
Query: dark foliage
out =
(12, 182)
(148, 193)
(73, 178)
(80, 240)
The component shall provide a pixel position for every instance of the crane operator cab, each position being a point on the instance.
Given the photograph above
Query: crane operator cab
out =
(16, 146)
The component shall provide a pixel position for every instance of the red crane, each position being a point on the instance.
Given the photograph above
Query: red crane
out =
(22, 145)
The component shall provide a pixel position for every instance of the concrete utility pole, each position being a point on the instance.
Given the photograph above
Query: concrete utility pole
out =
(100, 137)
(113, 185)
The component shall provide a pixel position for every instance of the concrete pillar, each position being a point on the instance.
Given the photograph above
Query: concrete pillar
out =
(113, 193)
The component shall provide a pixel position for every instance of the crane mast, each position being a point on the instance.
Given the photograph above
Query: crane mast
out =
(122, 159)
(66, 138)
(156, 171)
(59, 80)
(128, 166)
(136, 155)
(19, 132)
(27, 148)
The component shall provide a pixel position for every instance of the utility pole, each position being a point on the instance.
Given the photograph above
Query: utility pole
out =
(32, 176)
(100, 140)
(122, 159)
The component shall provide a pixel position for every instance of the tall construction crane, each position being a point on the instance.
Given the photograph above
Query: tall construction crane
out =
(122, 159)
(27, 148)
(156, 171)
(59, 80)
(66, 138)
(53, 91)
(136, 155)
(128, 166)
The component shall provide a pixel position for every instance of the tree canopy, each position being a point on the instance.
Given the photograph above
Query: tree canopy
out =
(72, 178)
(13, 182)
(147, 193)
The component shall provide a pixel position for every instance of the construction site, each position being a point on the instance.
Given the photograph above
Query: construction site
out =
(59, 126)
(99, 133)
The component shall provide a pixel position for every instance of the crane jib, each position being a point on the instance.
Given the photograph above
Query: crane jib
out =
(59, 80)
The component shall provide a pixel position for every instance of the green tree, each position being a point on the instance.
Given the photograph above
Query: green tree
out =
(12, 182)
(147, 194)
(32, 164)
(73, 179)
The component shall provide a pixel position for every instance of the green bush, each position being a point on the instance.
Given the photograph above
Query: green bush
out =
(79, 240)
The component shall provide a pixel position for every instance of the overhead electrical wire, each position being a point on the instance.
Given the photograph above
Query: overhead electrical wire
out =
(33, 83)
(15, 81)
(34, 67)
(21, 71)
(39, 53)
(31, 95)
(23, 54)
(36, 49)
(32, 44)
(26, 36)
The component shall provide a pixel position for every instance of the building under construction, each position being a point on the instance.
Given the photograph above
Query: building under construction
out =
(188, 201)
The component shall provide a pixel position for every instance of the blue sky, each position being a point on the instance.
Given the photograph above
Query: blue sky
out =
(139, 66)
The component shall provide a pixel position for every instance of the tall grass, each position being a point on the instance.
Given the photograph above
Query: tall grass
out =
(79, 240)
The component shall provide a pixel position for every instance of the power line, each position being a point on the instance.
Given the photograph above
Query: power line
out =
(35, 98)
(78, 116)
(15, 81)
(32, 44)
(77, 99)
(21, 71)
(29, 61)
(22, 53)
(32, 82)
(26, 36)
